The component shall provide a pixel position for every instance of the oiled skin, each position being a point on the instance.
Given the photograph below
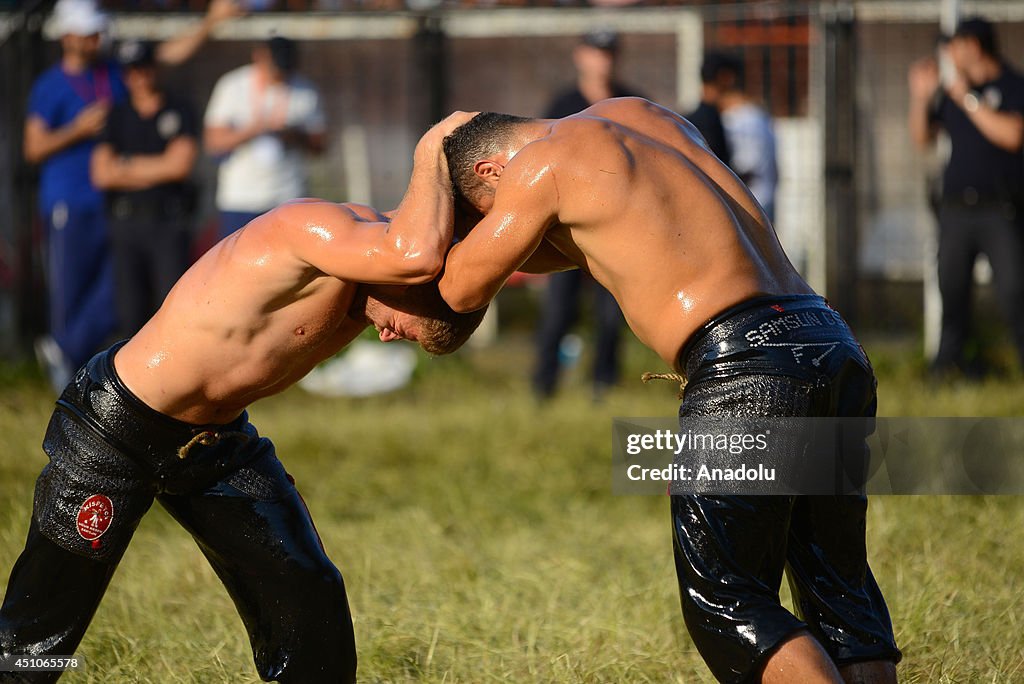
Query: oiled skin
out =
(627, 191)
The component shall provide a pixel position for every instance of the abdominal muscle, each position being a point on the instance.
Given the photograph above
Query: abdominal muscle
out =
(233, 331)
(204, 376)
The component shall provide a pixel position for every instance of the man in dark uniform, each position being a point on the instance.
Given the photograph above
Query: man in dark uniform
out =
(143, 160)
(595, 62)
(982, 204)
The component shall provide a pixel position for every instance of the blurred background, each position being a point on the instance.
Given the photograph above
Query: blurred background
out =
(475, 525)
(852, 202)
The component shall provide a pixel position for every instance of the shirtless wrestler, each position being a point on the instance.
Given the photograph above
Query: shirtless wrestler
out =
(628, 191)
(163, 416)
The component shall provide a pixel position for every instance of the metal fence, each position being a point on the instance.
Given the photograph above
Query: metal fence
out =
(852, 207)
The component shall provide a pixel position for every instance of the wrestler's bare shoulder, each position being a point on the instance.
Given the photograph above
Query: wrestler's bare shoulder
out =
(316, 217)
(297, 230)
(631, 122)
(629, 112)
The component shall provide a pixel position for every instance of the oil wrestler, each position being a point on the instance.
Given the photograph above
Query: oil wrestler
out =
(629, 191)
(163, 416)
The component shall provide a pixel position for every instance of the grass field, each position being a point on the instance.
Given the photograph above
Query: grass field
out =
(480, 541)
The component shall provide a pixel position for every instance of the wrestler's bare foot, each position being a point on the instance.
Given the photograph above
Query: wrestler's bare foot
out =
(872, 672)
(800, 659)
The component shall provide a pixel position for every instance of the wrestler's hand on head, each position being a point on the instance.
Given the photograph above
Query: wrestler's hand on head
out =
(432, 141)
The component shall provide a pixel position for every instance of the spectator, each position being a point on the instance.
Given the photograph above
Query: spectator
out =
(143, 160)
(748, 130)
(982, 203)
(67, 109)
(595, 61)
(262, 118)
(706, 117)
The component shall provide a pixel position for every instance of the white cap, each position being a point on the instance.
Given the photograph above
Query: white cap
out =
(78, 17)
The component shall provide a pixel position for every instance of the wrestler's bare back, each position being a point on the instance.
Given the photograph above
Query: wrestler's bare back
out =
(250, 318)
(642, 205)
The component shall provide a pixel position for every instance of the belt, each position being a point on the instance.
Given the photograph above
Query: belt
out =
(761, 316)
(99, 399)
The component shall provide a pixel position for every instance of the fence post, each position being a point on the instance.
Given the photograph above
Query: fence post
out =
(429, 52)
(22, 292)
(840, 116)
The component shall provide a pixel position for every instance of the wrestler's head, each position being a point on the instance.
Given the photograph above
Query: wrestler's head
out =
(477, 152)
(416, 313)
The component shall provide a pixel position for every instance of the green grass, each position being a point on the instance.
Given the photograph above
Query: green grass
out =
(480, 541)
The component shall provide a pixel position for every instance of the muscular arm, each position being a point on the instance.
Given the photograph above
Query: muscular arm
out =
(525, 206)
(409, 248)
(109, 171)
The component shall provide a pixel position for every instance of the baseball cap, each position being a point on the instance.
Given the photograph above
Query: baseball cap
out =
(284, 53)
(602, 39)
(78, 18)
(134, 53)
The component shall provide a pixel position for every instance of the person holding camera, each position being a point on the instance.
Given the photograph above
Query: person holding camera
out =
(981, 209)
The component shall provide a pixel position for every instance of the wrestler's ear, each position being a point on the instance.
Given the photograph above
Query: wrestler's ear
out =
(488, 170)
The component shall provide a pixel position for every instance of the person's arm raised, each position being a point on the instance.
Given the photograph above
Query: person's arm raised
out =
(525, 206)
(346, 243)
(180, 48)
(422, 226)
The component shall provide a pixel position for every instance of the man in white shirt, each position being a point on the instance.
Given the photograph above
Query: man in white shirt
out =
(262, 119)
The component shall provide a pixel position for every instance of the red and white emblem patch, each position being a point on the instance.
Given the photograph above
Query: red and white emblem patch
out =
(94, 517)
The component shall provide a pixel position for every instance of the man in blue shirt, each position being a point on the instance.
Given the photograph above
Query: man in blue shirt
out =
(67, 109)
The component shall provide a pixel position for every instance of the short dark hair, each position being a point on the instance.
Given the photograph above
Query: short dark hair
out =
(442, 329)
(980, 30)
(284, 53)
(477, 139)
(715, 63)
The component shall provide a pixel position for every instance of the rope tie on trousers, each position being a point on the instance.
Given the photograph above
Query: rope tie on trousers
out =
(210, 438)
(674, 377)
